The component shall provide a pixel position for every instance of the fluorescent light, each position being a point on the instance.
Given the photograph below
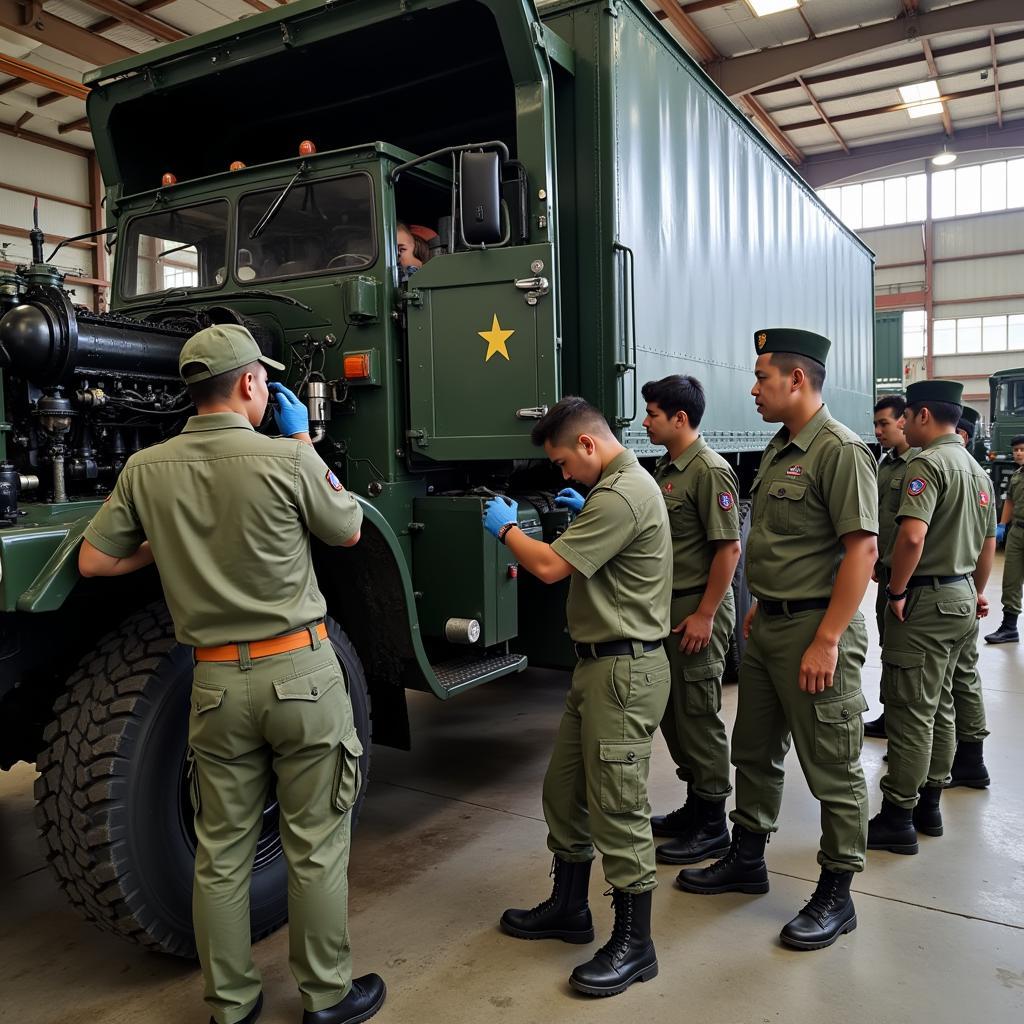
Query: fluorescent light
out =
(924, 110)
(919, 92)
(944, 158)
(763, 7)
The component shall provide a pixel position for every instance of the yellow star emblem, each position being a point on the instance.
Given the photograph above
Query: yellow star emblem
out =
(496, 339)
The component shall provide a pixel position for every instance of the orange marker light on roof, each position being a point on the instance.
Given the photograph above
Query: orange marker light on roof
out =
(306, 148)
(357, 366)
(168, 179)
(236, 165)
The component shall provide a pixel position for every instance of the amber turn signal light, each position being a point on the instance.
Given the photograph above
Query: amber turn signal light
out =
(168, 179)
(306, 148)
(357, 366)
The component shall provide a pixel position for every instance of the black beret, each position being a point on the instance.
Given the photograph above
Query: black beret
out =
(950, 391)
(790, 339)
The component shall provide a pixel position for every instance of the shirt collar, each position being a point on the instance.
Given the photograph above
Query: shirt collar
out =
(216, 421)
(688, 455)
(807, 434)
(621, 461)
(946, 439)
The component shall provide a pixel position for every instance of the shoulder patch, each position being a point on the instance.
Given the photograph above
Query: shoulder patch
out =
(725, 500)
(334, 481)
(916, 487)
(983, 498)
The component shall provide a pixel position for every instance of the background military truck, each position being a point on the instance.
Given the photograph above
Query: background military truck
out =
(1006, 421)
(606, 217)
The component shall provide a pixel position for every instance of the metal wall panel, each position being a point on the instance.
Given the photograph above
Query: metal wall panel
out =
(30, 165)
(989, 233)
(727, 240)
(894, 245)
(978, 278)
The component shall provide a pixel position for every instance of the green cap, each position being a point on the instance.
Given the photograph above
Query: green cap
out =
(790, 339)
(219, 349)
(950, 391)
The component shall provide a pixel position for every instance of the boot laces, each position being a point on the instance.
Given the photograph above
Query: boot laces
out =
(728, 860)
(681, 816)
(824, 900)
(617, 946)
(546, 905)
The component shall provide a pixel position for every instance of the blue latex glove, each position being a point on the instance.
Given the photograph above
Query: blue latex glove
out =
(498, 512)
(1001, 533)
(568, 498)
(290, 413)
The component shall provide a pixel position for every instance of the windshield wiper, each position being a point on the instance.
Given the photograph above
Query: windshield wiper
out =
(276, 204)
(185, 294)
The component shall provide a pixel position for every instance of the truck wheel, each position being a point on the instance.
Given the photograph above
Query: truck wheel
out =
(742, 600)
(112, 801)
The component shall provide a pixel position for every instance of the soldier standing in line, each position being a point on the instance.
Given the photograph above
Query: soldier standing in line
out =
(937, 566)
(1011, 530)
(595, 792)
(810, 554)
(889, 434)
(699, 488)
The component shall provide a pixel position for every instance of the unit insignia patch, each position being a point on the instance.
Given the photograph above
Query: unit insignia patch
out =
(795, 471)
(983, 498)
(668, 487)
(916, 487)
(725, 500)
(334, 481)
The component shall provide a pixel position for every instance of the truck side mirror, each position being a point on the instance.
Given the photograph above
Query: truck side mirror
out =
(480, 198)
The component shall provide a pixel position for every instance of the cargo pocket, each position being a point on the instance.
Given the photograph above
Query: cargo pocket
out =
(624, 766)
(348, 777)
(786, 507)
(702, 688)
(902, 677)
(192, 778)
(309, 686)
(895, 494)
(206, 698)
(676, 516)
(959, 608)
(838, 733)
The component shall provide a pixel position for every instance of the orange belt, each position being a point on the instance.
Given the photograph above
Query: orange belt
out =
(262, 648)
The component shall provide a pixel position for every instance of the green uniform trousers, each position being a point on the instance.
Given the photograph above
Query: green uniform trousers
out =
(692, 726)
(288, 718)
(595, 790)
(919, 658)
(1013, 570)
(968, 701)
(826, 728)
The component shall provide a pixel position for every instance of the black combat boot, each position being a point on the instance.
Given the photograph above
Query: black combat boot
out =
(876, 728)
(627, 956)
(253, 1015)
(1007, 631)
(564, 915)
(969, 765)
(675, 823)
(829, 914)
(892, 829)
(364, 999)
(742, 869)
(927, 817)
(707, 836)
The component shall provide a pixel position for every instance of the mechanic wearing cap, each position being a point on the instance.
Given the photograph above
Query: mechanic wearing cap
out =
(226, 514)
(810, 554)
(937, 570)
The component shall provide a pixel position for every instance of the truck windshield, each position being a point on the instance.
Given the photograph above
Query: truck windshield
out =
(1010, 400)
(321, 226)
(182, 248)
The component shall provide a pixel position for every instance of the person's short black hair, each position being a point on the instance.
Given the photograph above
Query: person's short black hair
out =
(571, 415)
(787, 362)
(213, 389)
(946, 413)
(897, 403)
(1014, 441)
(677, 393)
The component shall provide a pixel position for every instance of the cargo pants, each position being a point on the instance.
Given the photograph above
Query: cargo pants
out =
(595, 789)
(826, 728)
(1013, 570)
(286, 717)
(692, 726)
(919, 657)
(968, 700)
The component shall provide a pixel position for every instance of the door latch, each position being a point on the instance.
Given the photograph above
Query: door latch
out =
(534, 287)
(534, 412)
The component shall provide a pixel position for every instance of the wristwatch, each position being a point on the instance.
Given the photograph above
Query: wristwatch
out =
(502, 533)
(890, 596)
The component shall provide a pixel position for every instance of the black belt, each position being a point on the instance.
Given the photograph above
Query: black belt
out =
(614, 648)
(689, 591)
(792, 607)
(933, 581)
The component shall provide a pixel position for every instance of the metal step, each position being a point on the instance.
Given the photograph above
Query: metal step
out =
(469, 670)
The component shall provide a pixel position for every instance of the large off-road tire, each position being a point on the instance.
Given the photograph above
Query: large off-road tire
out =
(741, 599)
(112, 795)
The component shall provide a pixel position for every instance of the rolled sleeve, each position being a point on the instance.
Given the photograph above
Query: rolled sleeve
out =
(921, 491)
(330, 512)
(115, 529)
(850, 488)
(601, 530)
(716, 504)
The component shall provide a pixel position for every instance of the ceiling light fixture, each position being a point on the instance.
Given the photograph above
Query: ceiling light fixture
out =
(761, 8)
(944, 158)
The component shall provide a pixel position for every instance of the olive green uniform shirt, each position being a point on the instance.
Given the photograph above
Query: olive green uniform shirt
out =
(809, 492)
(1015, 493)
(891, 471)
(228, 513)
(620, 548)
(945, 488)
(700, 490)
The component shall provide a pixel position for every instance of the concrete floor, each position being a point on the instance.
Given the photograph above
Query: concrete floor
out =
(453, 832)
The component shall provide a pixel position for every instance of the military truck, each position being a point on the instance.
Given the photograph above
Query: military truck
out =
(605, 216)
(1006, 422)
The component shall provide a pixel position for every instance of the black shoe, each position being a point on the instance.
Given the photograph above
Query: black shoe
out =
(876, 728)
(926, 816)
(252, 1015)
(707, 836)
(742, 869)
(969, 765)
(892, 829)
(627, 956)
(828, 915)
(564, 915)
(675, 823)
(364, 999)
(1007, 631)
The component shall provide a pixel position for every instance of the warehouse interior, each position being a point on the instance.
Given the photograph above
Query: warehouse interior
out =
(906, 118)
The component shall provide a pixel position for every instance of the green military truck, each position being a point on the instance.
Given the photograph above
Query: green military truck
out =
(605, 216)
(1006, 422)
